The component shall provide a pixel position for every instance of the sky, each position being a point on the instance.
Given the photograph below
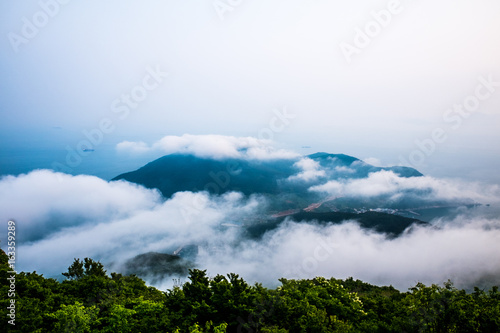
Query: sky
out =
(378, 80)
(415, 83)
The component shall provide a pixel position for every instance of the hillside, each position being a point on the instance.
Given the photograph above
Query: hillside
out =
(174, 173)
(393, 225)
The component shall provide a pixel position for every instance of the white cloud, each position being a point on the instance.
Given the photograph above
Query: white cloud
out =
(373, 161)
(311, 170)
(388, 183)
(344, 169)
(187, 218)
(464, 251)
(211, 146)
(43, 202)
(117, 221)
(70, 217)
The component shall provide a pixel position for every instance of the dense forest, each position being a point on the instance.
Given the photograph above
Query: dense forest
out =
(90, 300)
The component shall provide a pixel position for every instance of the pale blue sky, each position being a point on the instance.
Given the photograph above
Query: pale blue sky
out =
(227, 75)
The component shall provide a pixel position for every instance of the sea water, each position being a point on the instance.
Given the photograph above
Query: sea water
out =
(104, 162)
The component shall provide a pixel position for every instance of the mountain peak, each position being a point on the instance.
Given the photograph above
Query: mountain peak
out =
(345, 159)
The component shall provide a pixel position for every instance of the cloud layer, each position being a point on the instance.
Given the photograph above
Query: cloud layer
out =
(211, 146)
(311, 170)
(45, 202)
(387, 183)
(464, 251)
(115, 221)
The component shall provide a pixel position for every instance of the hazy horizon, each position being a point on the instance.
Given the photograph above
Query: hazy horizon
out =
(194, 68)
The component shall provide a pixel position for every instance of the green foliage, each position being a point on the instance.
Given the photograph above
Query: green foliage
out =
(149, 316)
(318, 305)
(91, 301)
(273, 329)
(88, 267)
(35, 297)
(219, 300)
(119, 319)
(222, 328)
(447, 309)
(73, 318)
(4, 259)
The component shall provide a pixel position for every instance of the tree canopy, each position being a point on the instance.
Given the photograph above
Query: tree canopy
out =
(90, 300)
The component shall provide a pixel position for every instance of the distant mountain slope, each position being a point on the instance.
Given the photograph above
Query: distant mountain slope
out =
(174, 173)
(154, 266)
(393, 225)
(362, 169)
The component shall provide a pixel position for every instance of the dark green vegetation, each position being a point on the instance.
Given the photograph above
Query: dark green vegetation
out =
(176, 173)
(155, 266)
(91, 301)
